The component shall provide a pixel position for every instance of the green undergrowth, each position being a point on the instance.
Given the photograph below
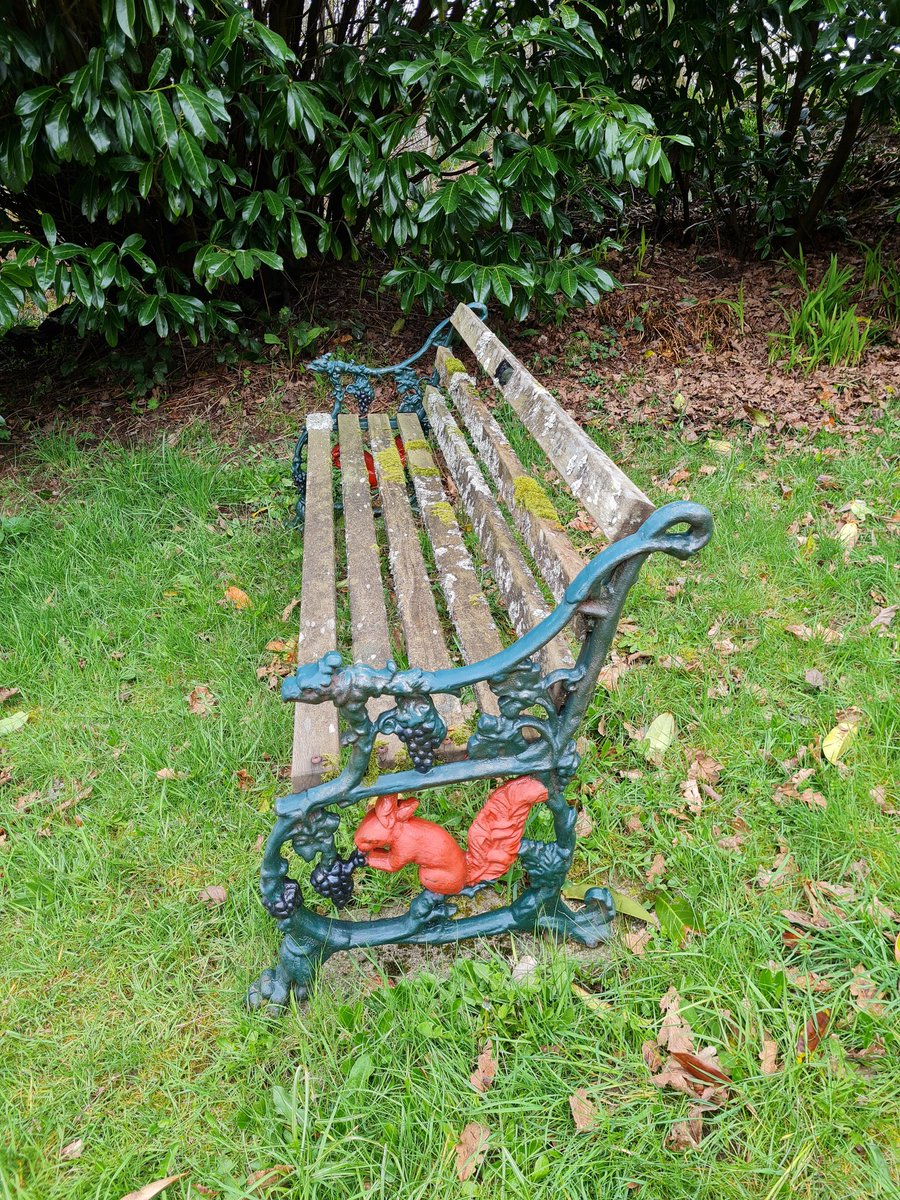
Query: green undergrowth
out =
(123, 1026)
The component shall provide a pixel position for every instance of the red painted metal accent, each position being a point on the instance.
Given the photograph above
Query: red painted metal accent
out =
(391, 837)
(370, 462)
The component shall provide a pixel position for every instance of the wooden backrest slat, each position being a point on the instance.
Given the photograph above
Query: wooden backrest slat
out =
(466, 603)
(616, 504)
(316, 735)
(368, 610)
(516, 584)
(425, 644)
(557, 559)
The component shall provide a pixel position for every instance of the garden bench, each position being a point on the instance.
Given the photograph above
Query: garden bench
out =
(449, 506)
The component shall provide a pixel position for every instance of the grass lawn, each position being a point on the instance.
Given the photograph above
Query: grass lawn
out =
(126, 1055)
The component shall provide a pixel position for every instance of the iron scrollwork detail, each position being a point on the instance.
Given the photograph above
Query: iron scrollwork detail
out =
(532, 735)
(349, 380)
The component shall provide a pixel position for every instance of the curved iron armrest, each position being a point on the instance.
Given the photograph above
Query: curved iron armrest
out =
(353, 380)
(497, 748)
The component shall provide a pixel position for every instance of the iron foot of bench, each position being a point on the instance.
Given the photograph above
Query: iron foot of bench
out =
(293, 975)
(590, 925)
(430, 920)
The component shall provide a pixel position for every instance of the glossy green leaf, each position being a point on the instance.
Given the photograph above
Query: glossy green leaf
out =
(125, 15)
(160, 67)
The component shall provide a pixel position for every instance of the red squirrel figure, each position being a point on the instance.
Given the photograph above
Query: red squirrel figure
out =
(391, 837)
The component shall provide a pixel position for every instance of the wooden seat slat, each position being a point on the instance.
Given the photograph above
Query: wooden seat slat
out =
(368, 610)
(466, 603)
(557, 559)
(616, 504)
(425, 645)
(516, 584)
(316, 736)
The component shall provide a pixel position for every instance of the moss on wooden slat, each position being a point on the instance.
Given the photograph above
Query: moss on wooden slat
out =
(528, 494)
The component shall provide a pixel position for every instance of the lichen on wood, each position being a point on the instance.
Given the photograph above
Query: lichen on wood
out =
(528, 494)
(416, 444)
(423, 472)
(390, 465)
(453, 366)
(444, 512)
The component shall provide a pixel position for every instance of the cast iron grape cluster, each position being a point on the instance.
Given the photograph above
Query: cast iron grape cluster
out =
(287, 902)
(335, 883)
(421, 744)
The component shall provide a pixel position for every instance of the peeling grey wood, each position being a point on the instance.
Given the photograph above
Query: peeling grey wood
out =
(425, 645)
(616, 504)
(466, 603)
(516, 584)
(557, 559)
(316, 734)
(368, 611)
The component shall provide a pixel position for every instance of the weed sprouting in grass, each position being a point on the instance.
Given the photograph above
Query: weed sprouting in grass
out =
(881, 283)
(826, 328)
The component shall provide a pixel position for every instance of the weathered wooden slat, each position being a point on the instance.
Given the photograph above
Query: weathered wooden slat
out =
(616, 504)
(425, 645)
(466, 603)
(516, 584)
(368, 611)
(316, 734)
(531, 508)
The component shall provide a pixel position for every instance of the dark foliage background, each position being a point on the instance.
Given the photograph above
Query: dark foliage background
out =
(174, 166)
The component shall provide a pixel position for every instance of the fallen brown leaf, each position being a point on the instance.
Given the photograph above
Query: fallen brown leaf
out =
(169, 773)
(149, 1190)
(674, 1033)
(8, 693)
(72, 1149)
(212, 895)
(288, 612)
(768, 1056)
(706, 769)
(882, 620)
(865, 993)
(237, 597)
(701, 1066)
(245, 780)
(261, 1183)
(584, 1111)
(691, 795)
(657, 868)
(485, 1070)
(807, 981)
(583, 522)
(584, 826)
(201, 701)
(879, 795)
(813, 1032)
(815, 679)
(651, 1056)
(687, 1134)
(637, 940)
(470, 1150)
(612, 672)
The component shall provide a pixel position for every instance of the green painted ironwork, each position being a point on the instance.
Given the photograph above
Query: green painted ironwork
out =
(355, 382)
(551, 707)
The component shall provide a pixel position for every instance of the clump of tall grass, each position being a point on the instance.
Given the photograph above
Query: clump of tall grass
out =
(826, 328)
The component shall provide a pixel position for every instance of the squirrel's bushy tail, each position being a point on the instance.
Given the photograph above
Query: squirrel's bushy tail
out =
(496, 833)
